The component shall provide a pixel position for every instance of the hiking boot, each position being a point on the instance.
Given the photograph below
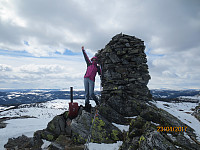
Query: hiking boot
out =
(97, 102)
(97, 106)
(88, 108)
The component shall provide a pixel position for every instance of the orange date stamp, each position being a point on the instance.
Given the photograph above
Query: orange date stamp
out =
(171, 129)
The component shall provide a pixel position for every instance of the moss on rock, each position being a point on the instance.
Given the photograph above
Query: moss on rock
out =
(66, 114)
(78, 139)
(50, 137)
(114, 135)
(142, 138)
(51, 126)
(98, 131)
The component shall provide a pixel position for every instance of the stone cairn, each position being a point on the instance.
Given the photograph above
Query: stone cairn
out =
(125, 73)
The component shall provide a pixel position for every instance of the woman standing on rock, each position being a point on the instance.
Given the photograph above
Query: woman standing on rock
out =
(89, 78)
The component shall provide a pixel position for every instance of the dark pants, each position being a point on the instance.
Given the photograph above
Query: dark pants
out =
(89, 91)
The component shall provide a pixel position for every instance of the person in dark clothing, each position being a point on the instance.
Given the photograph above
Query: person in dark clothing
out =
(89, 78)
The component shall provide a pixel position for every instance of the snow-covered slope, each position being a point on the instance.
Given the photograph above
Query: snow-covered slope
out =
(183, 112)
(3, 108)
(42, 113)
(194, 99)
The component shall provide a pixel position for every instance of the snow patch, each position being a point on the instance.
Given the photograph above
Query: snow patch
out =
(3, 108)
(156, 124)
(45, 145)
(183, 112)
(103, 146)
(131, 117)
(197, 97)
(121, 127)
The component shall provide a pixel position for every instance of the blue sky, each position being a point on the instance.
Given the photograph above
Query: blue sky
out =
(40, 41)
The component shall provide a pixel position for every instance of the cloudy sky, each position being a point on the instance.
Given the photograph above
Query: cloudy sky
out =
(40, 41)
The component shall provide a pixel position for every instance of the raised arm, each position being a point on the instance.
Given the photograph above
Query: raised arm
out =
(86, 57)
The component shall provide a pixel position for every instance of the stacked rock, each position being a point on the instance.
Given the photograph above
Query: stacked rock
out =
(125, 73)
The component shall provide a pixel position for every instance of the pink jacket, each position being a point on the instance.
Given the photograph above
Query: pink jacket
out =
(92, 68)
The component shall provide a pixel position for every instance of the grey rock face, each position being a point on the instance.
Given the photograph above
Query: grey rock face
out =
(22, 143)
(57, 125)
(81, 125)
(196, 112)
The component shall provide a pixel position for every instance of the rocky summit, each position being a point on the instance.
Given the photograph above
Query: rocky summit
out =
(125, 100)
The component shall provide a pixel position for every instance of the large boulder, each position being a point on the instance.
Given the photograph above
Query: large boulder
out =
(101, 130)
(112, 115)
(22, 143)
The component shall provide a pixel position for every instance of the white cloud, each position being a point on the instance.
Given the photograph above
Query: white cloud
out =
(178, 71)
(8, 14)
(170, 28)
(167, 73)
(42, 72)
(4, 67)
(38, 69)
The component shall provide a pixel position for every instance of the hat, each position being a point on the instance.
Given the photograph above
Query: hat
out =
(94, 58)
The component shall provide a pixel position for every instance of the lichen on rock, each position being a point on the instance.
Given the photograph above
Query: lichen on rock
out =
(101, 129)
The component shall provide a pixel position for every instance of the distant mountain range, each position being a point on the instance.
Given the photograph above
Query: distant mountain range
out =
(16, 97)
(27, 96)
(176, 95)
